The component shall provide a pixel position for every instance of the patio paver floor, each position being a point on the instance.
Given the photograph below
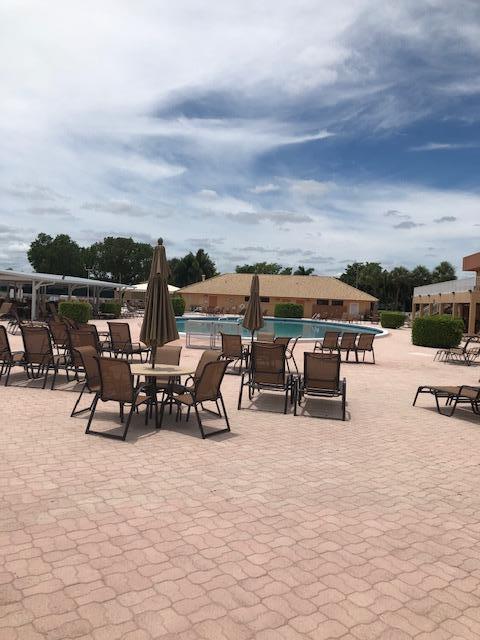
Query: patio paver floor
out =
(287, 528)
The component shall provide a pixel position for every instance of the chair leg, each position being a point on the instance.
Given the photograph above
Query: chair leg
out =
(225, 412)
(344, 400)
(55, 371)
(78, 401)
(242, 381)
(127, 425)
(200, 426)
(92, 411)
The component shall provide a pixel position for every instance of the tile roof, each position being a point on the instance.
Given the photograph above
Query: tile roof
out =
(276, 286)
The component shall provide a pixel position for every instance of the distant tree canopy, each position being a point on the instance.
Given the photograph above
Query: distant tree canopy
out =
(117, 259)
(394, 288)
(273, 268)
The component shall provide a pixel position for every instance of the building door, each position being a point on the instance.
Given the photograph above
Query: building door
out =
(212, 301)
(354, 308)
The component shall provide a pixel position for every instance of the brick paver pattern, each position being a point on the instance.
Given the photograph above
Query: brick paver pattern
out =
(286, 528)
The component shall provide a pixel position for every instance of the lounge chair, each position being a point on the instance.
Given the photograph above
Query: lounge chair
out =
(116, 385)
(348, 343)
(267, 373)
(206, 388)
(121, 342)
(464, 394)
(329, 342)
(364, 346)
(234, 350)
(39, 356)
(461, 355)
(59, 334)
(321, 379)
(86, 357)
(8, 358)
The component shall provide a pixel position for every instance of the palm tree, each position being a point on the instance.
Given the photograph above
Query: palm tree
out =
(303, 271)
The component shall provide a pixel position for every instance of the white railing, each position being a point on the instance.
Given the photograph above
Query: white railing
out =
(458, 286)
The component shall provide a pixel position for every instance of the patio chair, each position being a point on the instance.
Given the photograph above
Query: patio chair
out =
(463, 394)
(15, 322)
(206, 388)
(59, 334)
(209, 355)
(461, 355)
(365, 345)
(265, 336)
(348, 343)
(289, 353)
(8, 358)
(285, 341)
(116, 385)
(39, 356)
(321, 379)
(234, 350)
(329, 342)
(86, 359)
(267, 373)
(121, 342)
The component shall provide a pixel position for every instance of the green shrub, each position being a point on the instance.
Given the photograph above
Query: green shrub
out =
(288, 310)
(112, 308)
(442, 332)
(392, 319)
(80, 312)
(178, 304)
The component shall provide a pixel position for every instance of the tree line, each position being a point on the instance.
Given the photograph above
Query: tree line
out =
(124, 260)
(115, 259)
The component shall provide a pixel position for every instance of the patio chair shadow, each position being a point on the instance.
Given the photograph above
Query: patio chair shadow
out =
(138, 429)
(191, 429)
(464, 414)
(324, 408)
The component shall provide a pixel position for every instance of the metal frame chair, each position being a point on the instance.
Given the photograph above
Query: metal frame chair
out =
(121, 342)
(206, 388)
(87, 358)
(321, 379)
(364, 345)
(8, 358)
(234, 350)
(463, 394)
(39, 354)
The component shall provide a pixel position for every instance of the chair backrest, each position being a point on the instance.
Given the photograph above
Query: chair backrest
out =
(5, 351)
(231, 345)
(6, 308)
(292, 346)
(119, 334)
(209, 355)
(282, 340)
(87, 357)
(348, 340)
(268, 363)
(265, 336)
(83, 338)
(70, 324)
(321, 370)
(330, 340)
(37, 343)
(168, 354)
(59, 332)
(365, 341)
(116, 380)
(207, 387)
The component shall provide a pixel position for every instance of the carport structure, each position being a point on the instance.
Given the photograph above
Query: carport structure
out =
(39, 283)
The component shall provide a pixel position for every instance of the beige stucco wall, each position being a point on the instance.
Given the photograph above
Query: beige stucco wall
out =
(232, 303)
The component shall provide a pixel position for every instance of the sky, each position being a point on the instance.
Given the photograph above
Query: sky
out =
(302, 132)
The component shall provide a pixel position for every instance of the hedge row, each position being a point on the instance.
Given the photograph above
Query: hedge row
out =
(288, 310)
(80, 312)
(392, 319)
(442, 332)
(112, 308)
(178, 304)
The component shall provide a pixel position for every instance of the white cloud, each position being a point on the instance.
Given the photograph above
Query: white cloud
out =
(265, 188)
(442, 146)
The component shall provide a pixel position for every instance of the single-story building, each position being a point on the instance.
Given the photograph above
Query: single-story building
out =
(460, 298)
(229, 293)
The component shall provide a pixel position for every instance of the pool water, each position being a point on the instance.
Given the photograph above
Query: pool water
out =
(307, 329)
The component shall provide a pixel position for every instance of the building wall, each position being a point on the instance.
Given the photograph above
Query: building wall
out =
(232, 304)
(463, 305)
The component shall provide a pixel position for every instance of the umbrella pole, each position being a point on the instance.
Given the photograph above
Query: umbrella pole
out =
(153, 347)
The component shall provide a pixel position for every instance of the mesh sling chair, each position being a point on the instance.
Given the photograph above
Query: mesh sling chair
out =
(39, 356)
(267, 373)
(463, 394)
(59, 334)
(364, 346)
(206, 388)
(462, 355)
(348, 342)
(116, 385)
(8, 358)
(209, 355)
(286, 342)
(329, 342)
(234, 350)
(321, 379)
(121, 342)
(86, 359)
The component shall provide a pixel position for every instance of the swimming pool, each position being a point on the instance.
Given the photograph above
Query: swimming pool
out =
(306, 329)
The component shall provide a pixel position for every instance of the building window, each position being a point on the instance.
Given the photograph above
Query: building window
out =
(337, 303)
(247, 298)
(264, 299)
(322, 302)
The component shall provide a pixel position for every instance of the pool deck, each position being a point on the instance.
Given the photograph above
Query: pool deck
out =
(286, 528)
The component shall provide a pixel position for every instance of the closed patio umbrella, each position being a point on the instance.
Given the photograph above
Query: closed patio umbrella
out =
(159, 325)
(253, 319)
